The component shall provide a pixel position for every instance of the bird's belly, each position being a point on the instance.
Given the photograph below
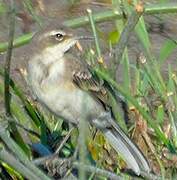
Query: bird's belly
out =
(71, 104)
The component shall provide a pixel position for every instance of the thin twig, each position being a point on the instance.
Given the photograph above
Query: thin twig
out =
(43, 160)
(97, 171)
(7, 80)
(124, 37)
(24, 128)
(152, 149)
(8, 59)
(87, 168)
(65, 139)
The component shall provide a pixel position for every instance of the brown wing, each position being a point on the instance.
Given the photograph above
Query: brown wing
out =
(85, 80)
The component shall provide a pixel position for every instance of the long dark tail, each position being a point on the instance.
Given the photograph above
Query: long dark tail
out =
(126, 148)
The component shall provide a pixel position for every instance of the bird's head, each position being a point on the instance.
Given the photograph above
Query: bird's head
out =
(55, 41)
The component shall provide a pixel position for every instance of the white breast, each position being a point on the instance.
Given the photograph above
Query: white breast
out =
(63, 97)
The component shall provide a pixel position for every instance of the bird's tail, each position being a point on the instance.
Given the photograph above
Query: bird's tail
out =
(126, 148)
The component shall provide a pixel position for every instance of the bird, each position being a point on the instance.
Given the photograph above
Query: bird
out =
(63, 82)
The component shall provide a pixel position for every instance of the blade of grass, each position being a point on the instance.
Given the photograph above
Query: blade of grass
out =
(161, 8)
(18, 166)
(29, 6)
(166, 50)
(7, 96)
(20, 41)
(172, 104)
(145, 115)
(12, 171)
(8, 59)
(35, 115)
(89, 11)
(18, 152)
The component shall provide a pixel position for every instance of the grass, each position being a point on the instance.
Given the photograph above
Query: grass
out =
(151, 99)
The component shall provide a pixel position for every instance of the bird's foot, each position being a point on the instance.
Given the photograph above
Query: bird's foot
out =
(58, 167)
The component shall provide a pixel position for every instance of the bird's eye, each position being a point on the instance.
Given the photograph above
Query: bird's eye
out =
(59, 36)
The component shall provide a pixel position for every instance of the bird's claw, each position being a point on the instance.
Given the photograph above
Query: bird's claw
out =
(58, 166)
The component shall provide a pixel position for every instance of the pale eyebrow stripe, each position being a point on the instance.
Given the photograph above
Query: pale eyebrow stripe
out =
(52, 33)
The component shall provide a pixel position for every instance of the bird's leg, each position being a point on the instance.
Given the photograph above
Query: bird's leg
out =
(102, 121)
(61, 166)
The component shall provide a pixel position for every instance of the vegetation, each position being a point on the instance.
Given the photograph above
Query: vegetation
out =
(30, 134)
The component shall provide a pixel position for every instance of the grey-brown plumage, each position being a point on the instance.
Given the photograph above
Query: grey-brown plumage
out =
(63, 83)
